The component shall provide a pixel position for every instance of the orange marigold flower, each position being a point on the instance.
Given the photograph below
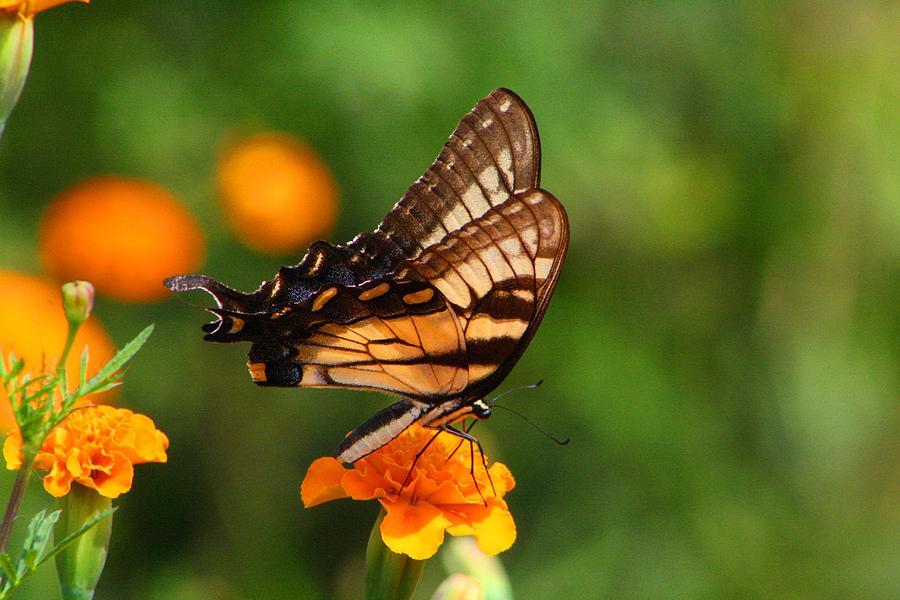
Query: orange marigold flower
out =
(27, 8)
(277, 193)
(124, 235)
(96, 446)
(440, 495)
(34, 327)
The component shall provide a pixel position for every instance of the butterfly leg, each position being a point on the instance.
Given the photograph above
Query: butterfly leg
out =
(473, 441)
(416, 459)
(467, 429)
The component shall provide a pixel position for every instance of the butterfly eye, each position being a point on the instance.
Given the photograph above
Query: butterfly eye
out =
(480, 410)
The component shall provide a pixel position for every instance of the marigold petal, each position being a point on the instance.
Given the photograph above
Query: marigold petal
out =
(322, 482)
(366, 483)
(58, 481)
(116, 482)
(414, 530)
(502, 478)
(12, 451)
(496, 533)
(449, 492)
(147, 445)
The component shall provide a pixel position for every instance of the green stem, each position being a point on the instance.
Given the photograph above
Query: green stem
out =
(389, 576)
(61, 366)
(15, 499)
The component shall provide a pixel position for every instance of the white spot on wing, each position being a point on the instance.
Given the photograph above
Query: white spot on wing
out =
(542, 268)
(475, 275)
(497, 264)
(530, 237)
(490, 179)
(510, 246)
(475, 200)
(504, 159)
(454, 289)
(457, 218)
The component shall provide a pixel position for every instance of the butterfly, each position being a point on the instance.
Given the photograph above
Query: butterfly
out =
(435, 306)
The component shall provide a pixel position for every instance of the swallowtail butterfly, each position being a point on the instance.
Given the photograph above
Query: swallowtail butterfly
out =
(434, 306)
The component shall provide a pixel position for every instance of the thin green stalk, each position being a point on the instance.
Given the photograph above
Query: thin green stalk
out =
(61, 377)
(15, 499)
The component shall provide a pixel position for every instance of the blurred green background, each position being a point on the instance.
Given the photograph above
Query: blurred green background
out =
(722, 347)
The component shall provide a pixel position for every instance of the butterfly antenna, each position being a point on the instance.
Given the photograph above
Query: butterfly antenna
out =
(530, 386)
(559, 441)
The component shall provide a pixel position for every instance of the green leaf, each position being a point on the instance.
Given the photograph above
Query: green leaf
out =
(16, 366)
(6, 564)
(82, 370)
(111, 369)
(37, 540)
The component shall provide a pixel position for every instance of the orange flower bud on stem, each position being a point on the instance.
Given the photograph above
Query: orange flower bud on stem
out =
(389, 576)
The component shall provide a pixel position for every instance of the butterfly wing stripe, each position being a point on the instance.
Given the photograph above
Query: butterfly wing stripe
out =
(486, 327)
(484, 254)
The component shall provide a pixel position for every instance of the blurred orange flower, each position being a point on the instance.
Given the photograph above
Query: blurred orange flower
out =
(96, 446)
(277, 193)
(33, 325)
(440, 496)
(26, 8)
(124, 235)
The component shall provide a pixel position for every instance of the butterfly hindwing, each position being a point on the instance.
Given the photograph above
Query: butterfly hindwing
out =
(416, 354)
(498, 272)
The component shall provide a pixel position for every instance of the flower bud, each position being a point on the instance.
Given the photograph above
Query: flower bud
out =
(459, 587)
(78, 301)
(16, 42)
(80, 565)
(462, 555)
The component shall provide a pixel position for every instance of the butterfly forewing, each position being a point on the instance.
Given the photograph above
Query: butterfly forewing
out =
(493, 153)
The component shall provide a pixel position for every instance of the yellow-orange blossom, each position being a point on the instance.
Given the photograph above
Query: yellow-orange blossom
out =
(95, 446)
(439, 497)
(29, 7)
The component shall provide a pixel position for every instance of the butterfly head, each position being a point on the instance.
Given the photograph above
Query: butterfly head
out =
(480, 409)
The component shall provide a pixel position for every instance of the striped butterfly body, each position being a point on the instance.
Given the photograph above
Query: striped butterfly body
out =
(435, 306)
